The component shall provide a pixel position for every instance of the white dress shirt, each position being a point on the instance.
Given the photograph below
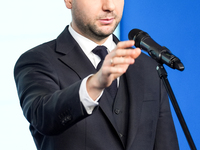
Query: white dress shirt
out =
(87, 46)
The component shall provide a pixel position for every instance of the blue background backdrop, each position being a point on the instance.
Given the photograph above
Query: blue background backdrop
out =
(25, 24)
(176, 25)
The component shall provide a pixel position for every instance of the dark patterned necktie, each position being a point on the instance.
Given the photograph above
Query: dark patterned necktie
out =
(101, 51)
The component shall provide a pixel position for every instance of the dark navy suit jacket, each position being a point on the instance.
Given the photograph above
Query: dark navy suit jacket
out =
(48, 78)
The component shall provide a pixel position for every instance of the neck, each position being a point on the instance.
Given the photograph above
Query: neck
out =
(99, 40)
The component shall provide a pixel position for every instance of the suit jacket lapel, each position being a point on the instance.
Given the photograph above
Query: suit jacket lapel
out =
(106, 107)
(74, 57)
(136, 90)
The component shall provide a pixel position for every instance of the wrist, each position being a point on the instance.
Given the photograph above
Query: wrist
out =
(93, 87)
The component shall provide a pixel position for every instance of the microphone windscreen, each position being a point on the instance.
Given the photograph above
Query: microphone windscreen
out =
(133, 33)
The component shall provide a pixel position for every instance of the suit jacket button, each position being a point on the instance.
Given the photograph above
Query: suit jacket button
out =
(117, 111)
(121, 135)
(66, 119)
(69, 117)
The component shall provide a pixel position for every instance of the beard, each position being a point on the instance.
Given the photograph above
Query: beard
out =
(97, 33)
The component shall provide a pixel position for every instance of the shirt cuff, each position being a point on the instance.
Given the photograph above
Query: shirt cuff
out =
(86, 100)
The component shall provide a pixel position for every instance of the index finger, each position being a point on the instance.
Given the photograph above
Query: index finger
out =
(125, 44)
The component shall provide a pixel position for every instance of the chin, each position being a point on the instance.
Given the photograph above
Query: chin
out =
(107, 31)
(104, 34)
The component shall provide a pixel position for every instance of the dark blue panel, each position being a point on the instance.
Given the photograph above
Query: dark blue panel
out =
(176, 25)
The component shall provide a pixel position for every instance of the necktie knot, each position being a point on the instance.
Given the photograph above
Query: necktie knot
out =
(101, 51)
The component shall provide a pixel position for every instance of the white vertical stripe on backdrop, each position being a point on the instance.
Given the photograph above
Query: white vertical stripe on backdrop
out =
(24, 24)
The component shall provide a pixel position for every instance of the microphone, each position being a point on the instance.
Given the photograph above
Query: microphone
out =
(160, 53)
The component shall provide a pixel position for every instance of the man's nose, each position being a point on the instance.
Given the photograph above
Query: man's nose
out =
(108, 5)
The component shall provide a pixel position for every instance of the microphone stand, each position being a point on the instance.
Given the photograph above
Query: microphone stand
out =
(163, 75)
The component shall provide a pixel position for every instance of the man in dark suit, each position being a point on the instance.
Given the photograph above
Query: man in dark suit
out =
(68, 102)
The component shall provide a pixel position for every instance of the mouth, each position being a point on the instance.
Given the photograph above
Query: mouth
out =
(106, 21)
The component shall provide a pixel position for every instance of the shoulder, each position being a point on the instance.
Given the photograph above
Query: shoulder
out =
(144, 68)
(37, 53)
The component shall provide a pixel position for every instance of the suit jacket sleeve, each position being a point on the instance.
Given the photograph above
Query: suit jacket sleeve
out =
(49, 108)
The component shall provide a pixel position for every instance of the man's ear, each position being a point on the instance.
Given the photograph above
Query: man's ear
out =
(68, 3)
